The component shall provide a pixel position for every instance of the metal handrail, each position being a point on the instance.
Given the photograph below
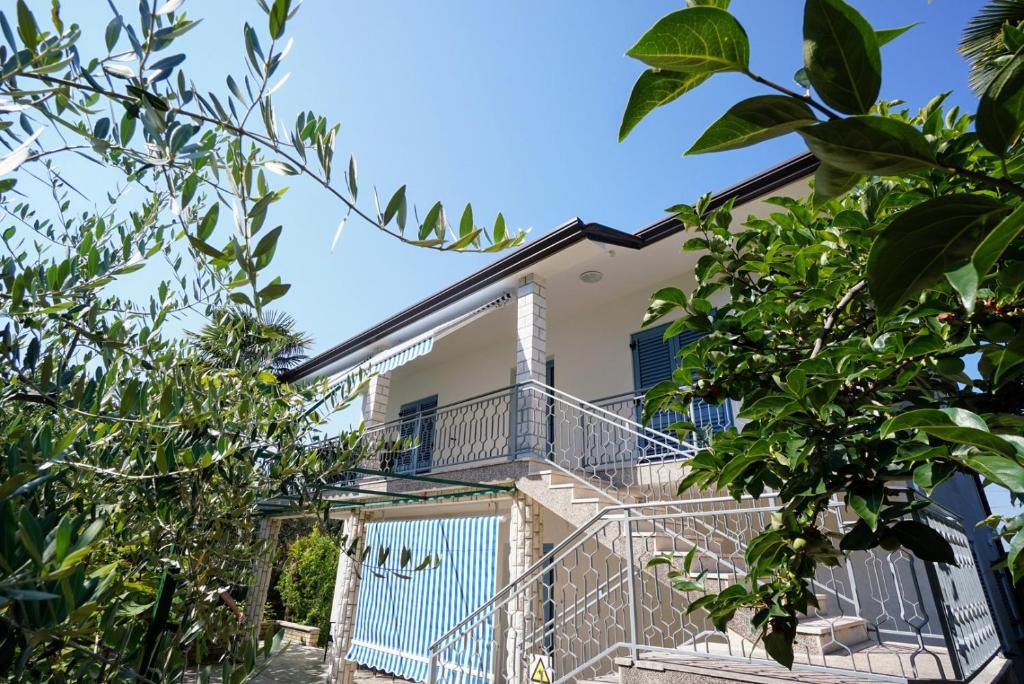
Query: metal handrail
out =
(950, 595)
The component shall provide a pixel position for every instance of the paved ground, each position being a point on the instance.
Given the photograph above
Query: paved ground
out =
(297, 665)
(300, 665)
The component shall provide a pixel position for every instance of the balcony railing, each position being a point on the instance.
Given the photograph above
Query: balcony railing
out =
(603, 443)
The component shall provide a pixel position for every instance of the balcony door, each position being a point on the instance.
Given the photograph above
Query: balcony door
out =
(417, 426)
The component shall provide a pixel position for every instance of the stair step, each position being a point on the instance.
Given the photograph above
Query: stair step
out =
(603, 679)
(591, 500)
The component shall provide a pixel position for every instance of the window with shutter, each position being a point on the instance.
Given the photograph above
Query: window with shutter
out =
(418, 425)
(654, 359)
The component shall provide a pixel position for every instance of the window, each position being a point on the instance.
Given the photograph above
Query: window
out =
(417, 426)
(654, 359)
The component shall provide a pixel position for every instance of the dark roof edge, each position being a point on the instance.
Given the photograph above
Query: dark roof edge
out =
(751, 188)
(555, 241)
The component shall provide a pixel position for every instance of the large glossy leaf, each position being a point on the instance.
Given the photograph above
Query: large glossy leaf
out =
(753, 120)
(959, 427)
(831, 182)
(701, 40)
(993, 246)
(653, 89)
(841, 56)
(926, 543)
(1001, 110)
(869, 145)
(922, 243)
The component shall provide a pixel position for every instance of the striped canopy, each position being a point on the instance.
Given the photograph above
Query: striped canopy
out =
(400, 612)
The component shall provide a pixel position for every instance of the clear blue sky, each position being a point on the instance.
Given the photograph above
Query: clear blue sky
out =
(515, 107)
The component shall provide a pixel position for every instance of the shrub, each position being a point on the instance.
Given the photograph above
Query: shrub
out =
(307, 582)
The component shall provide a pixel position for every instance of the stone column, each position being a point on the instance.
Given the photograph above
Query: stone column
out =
(531, 359)
(524, 612)
(375, 399)
(343, 608)
(263, 567)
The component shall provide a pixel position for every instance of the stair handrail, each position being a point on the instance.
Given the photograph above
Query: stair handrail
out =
(681, 447)
(578, 536)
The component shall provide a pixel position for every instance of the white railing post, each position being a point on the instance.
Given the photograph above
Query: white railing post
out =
(631, 580)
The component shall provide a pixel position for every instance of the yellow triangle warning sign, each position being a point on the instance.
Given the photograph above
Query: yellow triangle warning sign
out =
(539, 670)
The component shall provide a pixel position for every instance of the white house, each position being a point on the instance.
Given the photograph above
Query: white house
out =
(504, 416)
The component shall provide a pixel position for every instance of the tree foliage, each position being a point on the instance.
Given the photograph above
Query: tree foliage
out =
(307, 581)
(132, 457)
(847, 322)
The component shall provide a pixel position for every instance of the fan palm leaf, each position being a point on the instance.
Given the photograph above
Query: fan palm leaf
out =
(981, 42)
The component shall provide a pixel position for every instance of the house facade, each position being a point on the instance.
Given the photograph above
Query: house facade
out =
(510, 498)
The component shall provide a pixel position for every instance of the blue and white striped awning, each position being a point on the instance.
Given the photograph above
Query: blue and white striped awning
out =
(403, 356)
(401, 612)
(390, 359)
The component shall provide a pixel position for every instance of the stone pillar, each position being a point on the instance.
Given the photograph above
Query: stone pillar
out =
(531, 359)
(263, 567)
(375, 399)
(526, 542)
(343, 608)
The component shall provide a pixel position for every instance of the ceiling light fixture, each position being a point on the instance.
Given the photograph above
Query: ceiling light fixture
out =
(591, 276)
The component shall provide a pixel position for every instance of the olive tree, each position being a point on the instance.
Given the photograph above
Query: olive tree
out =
(134, 458)
(850, 318)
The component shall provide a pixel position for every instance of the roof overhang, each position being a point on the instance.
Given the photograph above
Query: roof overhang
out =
(482, 286)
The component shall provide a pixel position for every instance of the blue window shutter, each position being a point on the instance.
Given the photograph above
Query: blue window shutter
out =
(418, 423)
(654, 359)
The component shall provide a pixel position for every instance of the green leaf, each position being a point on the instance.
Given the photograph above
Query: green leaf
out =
(1005, 472)
(28, 29)
(964, 280)
(653, 89)
(701, 40)
(1015, 557)
(208, 223)
(720, 4)
(926, 543)
(922, 243)
(277, 17)
(466, 222)
(396, 206)
(928, 476)
(867, 502)
(353, 186)
(752, 120)
(955, 426)
(1006, 360)
(273, 291)
(995, 243)
(430, 223)
(779, 646)
(113, 32)
(1001, 110)
(841, 56)
(883, 36)
(206, 248)
(267, 243)
(830, 182)
(869, 145)
(499, 231)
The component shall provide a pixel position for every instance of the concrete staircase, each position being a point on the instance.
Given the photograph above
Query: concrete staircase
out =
(819, 633)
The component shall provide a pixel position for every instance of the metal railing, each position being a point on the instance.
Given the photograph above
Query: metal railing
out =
(603, 444)
(883, 615)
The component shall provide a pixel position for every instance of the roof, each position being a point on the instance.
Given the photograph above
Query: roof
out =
(557, 240)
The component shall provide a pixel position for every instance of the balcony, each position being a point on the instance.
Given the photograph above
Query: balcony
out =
(599, 442)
